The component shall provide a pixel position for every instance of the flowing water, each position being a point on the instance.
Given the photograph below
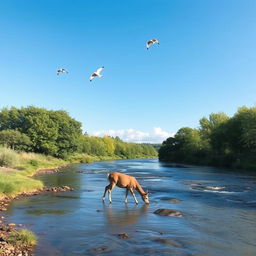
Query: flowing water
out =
(218, 207)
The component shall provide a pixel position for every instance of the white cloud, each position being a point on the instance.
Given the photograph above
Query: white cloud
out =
(131, 135)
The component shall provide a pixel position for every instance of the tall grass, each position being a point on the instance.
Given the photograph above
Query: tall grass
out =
(17, 181)
(8, 157)
(29, 163)
(12, 183)
(22, 237)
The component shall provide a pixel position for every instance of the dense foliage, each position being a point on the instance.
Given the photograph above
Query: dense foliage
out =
(56, 133)
(108, 146)
(51, 132)
(15, 140)
(219, 140)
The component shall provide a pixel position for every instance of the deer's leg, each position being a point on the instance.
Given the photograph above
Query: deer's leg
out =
(111, 186)
(135, 199)
(106, 188)
(126, 196)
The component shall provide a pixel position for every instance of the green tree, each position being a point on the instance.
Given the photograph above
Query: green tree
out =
(208, 129)
(15, 140)
(110, 144)
(242, 131)
(98, 147)
(51, 132)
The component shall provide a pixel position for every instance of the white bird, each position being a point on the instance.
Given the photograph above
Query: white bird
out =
(63, 70)
(152, 41)
(97, 73)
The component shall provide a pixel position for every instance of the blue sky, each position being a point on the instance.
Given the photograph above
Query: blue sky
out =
(206, 61)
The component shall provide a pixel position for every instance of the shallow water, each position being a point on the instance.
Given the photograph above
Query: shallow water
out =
(218, 207)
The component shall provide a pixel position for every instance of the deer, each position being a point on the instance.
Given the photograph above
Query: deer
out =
(125, 181)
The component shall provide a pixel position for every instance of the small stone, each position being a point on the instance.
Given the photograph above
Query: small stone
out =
(101, 249)
(123, 236)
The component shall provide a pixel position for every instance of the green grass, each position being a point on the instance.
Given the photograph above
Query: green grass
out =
(13, 183)
(22, 237)
(8, 157)
(29, 163)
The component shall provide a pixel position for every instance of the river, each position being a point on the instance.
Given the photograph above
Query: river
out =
(218, 207)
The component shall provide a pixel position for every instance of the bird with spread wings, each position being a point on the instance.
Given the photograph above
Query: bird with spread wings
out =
(97, 73)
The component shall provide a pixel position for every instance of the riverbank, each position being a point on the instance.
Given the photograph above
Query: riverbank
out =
(240, 164)
(14, 239)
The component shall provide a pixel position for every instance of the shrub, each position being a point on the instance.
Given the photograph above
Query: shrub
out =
(33, 162)
(22, 237)
(8, 157)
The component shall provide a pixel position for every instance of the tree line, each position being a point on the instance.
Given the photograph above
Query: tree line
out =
(220, 140)
(57, 134)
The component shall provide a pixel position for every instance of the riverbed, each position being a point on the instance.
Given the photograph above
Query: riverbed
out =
(218, 209)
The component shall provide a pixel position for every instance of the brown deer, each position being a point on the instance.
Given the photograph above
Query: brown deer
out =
(125, 181)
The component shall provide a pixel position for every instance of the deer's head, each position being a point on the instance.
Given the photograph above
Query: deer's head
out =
(145, 198)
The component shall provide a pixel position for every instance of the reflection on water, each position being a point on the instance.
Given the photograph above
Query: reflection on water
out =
(123, 217)
(218, 206)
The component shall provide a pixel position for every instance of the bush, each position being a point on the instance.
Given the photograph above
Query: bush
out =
(33, 162)
(8, 157)
(22, 237)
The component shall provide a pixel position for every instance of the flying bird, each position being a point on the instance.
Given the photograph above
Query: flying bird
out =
(63, 70)
(152, 41)
(97, 73)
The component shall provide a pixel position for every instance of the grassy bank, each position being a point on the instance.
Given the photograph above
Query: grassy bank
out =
(23, 238)
(15, 176)
(18, 167)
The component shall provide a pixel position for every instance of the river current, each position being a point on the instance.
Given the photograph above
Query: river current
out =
(218, 208)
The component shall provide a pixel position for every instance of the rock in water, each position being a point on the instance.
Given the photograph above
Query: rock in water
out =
(168, 212)
(123, 236)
